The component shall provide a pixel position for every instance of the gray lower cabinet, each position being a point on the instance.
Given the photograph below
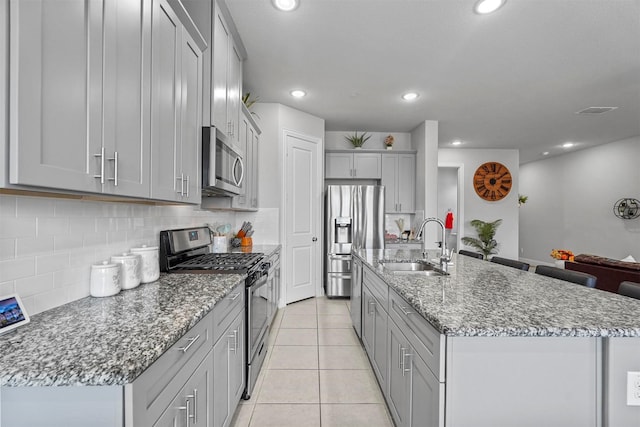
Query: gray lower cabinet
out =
(374, 327)
(228, 385)
(191, 407)
(356, 296)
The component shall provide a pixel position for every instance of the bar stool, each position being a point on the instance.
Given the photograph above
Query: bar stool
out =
(629, 289)
(471, 254)
(511, 263)
(578, 277)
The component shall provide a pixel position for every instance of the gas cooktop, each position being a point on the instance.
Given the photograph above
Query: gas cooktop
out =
(221, 262)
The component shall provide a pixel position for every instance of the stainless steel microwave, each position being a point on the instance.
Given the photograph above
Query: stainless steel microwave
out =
(222, 165)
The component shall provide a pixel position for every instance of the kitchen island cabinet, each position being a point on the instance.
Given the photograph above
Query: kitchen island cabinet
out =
(143, 357)
(490, 345)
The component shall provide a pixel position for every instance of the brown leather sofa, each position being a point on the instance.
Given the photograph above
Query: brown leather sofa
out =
(610, 272)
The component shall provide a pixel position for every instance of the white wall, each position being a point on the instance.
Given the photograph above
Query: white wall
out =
(477, 208)
(47, 245)
(571, 200)
(337, 141)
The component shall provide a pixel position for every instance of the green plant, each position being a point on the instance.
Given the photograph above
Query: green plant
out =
(358, 141)
(522, 199)
(485, 241)
(248, 102)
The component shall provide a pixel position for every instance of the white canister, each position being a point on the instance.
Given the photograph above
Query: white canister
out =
(150, 263)
(130, 269)
(105, 279)
(220, 244)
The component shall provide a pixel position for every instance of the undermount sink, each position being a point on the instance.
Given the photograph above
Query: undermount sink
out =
(413, 267)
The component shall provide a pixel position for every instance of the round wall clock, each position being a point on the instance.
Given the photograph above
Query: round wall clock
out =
(492, 181)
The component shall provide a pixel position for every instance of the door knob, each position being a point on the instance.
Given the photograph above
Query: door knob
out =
(314, 239)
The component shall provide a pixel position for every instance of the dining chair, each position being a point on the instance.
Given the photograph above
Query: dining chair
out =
(511, 263)
(629, 289)
(578, 277)
(471, 254)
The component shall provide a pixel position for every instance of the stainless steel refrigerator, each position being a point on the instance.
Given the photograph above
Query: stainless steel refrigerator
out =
(354, 218)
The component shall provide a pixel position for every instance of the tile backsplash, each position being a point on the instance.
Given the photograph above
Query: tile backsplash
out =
(47, 245)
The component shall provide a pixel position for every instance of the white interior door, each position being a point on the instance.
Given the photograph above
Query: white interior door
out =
(302, 216)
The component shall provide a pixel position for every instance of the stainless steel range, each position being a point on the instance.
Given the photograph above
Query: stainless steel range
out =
(187, 250)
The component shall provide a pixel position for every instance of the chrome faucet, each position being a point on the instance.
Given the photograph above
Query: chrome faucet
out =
(444, 257)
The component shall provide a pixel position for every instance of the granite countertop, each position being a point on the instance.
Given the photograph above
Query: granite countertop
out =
(481, 298)
(112, 340)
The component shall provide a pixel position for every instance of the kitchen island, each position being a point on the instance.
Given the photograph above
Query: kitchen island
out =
(489, 345)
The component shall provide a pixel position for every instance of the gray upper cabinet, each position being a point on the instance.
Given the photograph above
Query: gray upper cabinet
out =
(176, 80)
(226, 79)
(249, 138)
(348, 165)
(399, 179)
(55, 93)
(87, 98)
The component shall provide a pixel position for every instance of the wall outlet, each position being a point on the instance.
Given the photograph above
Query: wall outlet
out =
(633, 388)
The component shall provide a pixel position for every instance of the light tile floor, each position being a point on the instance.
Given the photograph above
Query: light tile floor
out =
(315, 373)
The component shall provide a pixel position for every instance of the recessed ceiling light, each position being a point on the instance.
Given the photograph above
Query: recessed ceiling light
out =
(545, 153)
(456, 142)
(286, 5)
(410, 96)
(568, 145)
(298, 93)
(483, 7)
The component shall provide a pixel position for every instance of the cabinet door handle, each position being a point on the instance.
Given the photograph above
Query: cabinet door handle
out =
(194, 396)
(234, 335)
(101, 155)
(400, 204)
(371, 303)
(191, 342)
(187, 186)
(114, 159)
(181, 178)
(185, 408)
(405, 370)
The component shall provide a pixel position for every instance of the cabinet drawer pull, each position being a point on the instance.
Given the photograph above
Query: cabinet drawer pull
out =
(191, 342)
(405, 311)
(371, 303)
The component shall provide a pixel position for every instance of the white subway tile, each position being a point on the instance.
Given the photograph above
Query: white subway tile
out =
(7, 249)
(94, 239)
(82, 225)
(7, 206)
(67, 242)
(17, 268)
(34, 206)
(68, 208)
(76, 292)
(34, 285)
(50, 226)
(93, 209)
(49, 300)
(72, 276)
(106, 224)
(17, 227)
(124, 224)
(50, 263)
(7, 288)
(29, 305)
(83, 257)
(40, 245)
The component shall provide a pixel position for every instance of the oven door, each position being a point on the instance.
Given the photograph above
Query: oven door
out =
(257, 314)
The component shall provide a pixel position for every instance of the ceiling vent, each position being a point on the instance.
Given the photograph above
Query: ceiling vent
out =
(596, 110)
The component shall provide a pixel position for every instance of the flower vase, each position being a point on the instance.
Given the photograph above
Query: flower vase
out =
(559, 263)
(389, 148)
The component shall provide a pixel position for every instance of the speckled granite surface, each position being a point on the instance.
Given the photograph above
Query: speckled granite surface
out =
(109, 341)
(480, 298)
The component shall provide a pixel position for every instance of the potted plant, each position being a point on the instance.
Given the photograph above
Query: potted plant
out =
(358, 141)
(485, 241)
(388, 141)
(522, 199)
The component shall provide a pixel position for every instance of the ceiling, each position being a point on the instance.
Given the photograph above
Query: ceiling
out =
(512, 79)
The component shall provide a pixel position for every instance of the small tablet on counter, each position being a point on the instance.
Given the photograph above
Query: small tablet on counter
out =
(12, 313)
